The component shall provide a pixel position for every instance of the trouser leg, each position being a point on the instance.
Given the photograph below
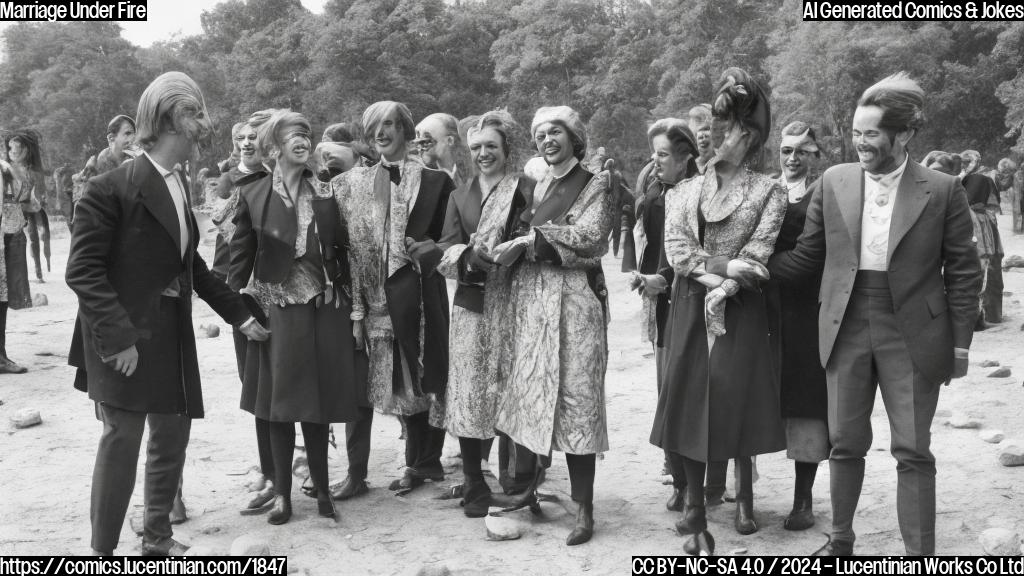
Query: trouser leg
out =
(804, 484)
(113, 476)
(485, 448)
(744, 479)
(678, 469)
(471, 450)
(263, 446)
(717, 472)
(582, 468)
(357, 443)
(282, 447)
(694, 471)
(423, 445)
(165, 459)
(315, 437)
(3, 331)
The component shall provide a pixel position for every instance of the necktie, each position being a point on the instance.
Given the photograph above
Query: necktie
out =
(394, 173)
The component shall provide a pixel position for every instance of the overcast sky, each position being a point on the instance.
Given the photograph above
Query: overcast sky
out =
(170, 18)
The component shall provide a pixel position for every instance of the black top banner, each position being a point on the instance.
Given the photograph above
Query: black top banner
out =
(976, 10)
(74, 11)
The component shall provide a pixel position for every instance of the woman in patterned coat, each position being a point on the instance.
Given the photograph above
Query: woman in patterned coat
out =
(720, 397)
(482, 213)
(554, 399)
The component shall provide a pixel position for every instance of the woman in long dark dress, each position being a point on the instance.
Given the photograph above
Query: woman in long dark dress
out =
(793, 314)
(287, 252)
(720, 399)
(25, 151)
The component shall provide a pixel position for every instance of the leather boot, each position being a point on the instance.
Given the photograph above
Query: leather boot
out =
(282, 510)
(584, 529)
(744, 521)
(694, 520)
(700, 544)
(801, 517)
(476, 498)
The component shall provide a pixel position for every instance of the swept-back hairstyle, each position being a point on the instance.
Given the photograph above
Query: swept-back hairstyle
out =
(158, 102)
(30, 140)
(376, 113)
(512, 135)
(901, 100)
(680, 138)
(740, 98)
(272, 132)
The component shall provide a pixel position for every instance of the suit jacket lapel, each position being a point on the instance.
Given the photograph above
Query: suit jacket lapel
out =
(156, 197)
(562, 195)
(849, 192)
(911, 198)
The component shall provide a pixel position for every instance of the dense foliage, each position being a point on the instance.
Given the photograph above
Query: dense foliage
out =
(621, 63)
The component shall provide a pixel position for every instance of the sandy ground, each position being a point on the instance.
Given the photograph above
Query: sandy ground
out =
(47, 469)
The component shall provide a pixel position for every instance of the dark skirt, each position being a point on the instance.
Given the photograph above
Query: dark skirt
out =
(793, 321)
(725, 406)
(18, 294)
(309, 369)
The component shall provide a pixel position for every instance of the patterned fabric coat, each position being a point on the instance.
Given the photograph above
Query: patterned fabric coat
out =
(476, 376)
(559, 350)
(722, 401)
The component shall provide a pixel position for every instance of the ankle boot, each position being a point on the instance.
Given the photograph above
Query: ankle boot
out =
(282, 510)
(801, 517)
(584, 529)
(744, 521)
(476, 499)
(700, 544)
(694, 520)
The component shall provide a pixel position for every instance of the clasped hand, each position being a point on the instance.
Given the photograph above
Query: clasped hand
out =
(650, 285)
(255, 331)
(747, 274)
(506, 253)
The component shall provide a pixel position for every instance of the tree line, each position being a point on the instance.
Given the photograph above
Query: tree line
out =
(621, 63)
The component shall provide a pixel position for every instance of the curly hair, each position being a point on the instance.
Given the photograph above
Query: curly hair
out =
(512, 135)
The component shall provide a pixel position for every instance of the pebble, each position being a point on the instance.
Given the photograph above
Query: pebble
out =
(990, 364)
(502, 527)
(738, 552)
(1003, 372)
(1012, 455)
(962, 420)
(992, 436)
(26, 418)
(250, 545)
(203, 550)
(1000, 542)
(255, 481)
(40, 300)
(212, 331)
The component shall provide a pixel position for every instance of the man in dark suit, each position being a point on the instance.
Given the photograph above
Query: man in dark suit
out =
(133, 265)
(898, 304)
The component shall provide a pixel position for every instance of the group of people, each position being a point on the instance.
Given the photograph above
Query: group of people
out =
(776, 305)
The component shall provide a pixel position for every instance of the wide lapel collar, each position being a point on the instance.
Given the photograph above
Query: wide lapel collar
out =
(156, 197)
(911, 198)
(849, 191)
(561, 195)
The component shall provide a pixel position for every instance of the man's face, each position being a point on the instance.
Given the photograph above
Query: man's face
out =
(879, 150)
(702, 132)
(389, 138)
(125, 138)
(191, 120)
(247, 149)
(296, 148)
(433, 141)
(553, 142)
(485, 146)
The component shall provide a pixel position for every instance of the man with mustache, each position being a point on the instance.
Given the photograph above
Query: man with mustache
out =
(898, 304)
(133, 265)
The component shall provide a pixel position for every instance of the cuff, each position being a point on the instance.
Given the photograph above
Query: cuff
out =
(960, 353)
(247, 322)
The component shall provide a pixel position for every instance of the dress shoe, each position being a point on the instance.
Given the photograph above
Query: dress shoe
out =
(675, 501)
(282, 510)
(744, 520)
(406, 483)
(694, 520)
(584, 529)
(7, 366)
(477, 499)
(835, 548)
(349, 488)
(801, 517)
(166, 547)
(700, 544)
(325, 507)
(261, 501)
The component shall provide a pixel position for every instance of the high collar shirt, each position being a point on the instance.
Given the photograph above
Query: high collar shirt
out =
(879, 199)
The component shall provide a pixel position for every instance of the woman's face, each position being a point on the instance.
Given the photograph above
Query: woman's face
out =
(553, 142)
(295, 150)
(487, 152)
(735, 141)
(247, 148)
(17, 151)
(667, 167)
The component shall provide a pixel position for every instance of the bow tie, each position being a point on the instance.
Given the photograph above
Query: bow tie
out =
(394, 173)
